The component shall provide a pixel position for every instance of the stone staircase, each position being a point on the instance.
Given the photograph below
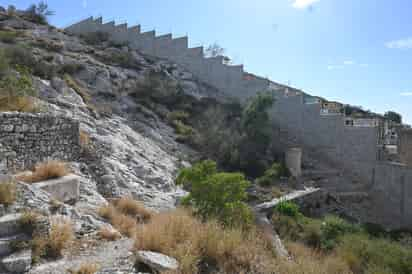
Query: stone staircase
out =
(10, 232)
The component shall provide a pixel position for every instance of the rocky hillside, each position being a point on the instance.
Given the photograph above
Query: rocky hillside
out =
(123, 101)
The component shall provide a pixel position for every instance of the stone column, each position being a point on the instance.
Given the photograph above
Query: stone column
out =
(293, 160)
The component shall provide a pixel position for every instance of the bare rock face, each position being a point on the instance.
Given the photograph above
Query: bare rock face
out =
(18, 262)
(157, 261)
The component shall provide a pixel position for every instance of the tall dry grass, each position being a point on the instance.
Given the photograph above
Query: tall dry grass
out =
(201, 247)
(125, 214)
(8, 193)
(44, 171)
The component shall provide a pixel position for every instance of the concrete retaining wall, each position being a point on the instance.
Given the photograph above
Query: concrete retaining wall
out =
(211, 70)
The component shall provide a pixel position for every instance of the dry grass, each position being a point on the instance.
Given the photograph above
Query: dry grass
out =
(72, 83)
(133, 208)
(45, 171)
(109, 234)
(60, 238)
(308, 261)
(194, 243)
(8, 193)
(84, 139)
(20, 104)
(86, 268)
(124, 214)
(125, 224)
(28, 221)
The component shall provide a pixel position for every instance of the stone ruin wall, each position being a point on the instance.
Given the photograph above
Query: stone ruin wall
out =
(353, 150)
(26, 139)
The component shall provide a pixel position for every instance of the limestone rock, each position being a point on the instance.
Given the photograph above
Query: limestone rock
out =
(18, 263)
(157, 261)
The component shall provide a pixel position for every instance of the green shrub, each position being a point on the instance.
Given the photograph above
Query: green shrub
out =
(366, 255)
(178, 115)
(276, 171)
(16, 85)
(38, 13)
(287, 208)
(49, 45)
(8, 37)
(213, 194)
(333, 228)
(182, 129)
(71, 68)
(287, 227)
(21, 56)
(122, 58)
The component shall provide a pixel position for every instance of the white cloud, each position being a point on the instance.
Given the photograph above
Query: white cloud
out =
(332, 67)
(406, 93)
(400, 44)
(84, 4)
(302, 4)
(348, 62)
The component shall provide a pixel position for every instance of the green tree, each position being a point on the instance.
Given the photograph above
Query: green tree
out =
(39, 13)
(255, 118)
(257, 130)
(394, 116)
(216, 194)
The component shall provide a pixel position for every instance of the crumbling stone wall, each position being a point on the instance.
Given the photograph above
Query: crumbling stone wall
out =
(26, 139)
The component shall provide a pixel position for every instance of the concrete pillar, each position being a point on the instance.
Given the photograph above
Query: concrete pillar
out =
(293, 160)
(405, 147)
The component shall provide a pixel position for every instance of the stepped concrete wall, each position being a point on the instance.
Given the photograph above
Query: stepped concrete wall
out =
(26, 139)
(354, 150)
(211, 70)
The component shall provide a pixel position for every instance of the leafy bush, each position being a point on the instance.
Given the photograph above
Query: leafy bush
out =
(212, 194)
(17, 85)
(287, 208)
(49, 44)
(333, 228)
(9, 37)
(17, 92)
(71, 68)
(7, 193)
(38, 13)
(272, 174)
(124, 59)
(178, 115)
(182, 129)
(366, 255)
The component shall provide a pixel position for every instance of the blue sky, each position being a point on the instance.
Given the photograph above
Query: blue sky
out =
(353, 51)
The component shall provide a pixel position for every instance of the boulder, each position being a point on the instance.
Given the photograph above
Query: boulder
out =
(18, 262)
(156, 261)
(64, 189)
